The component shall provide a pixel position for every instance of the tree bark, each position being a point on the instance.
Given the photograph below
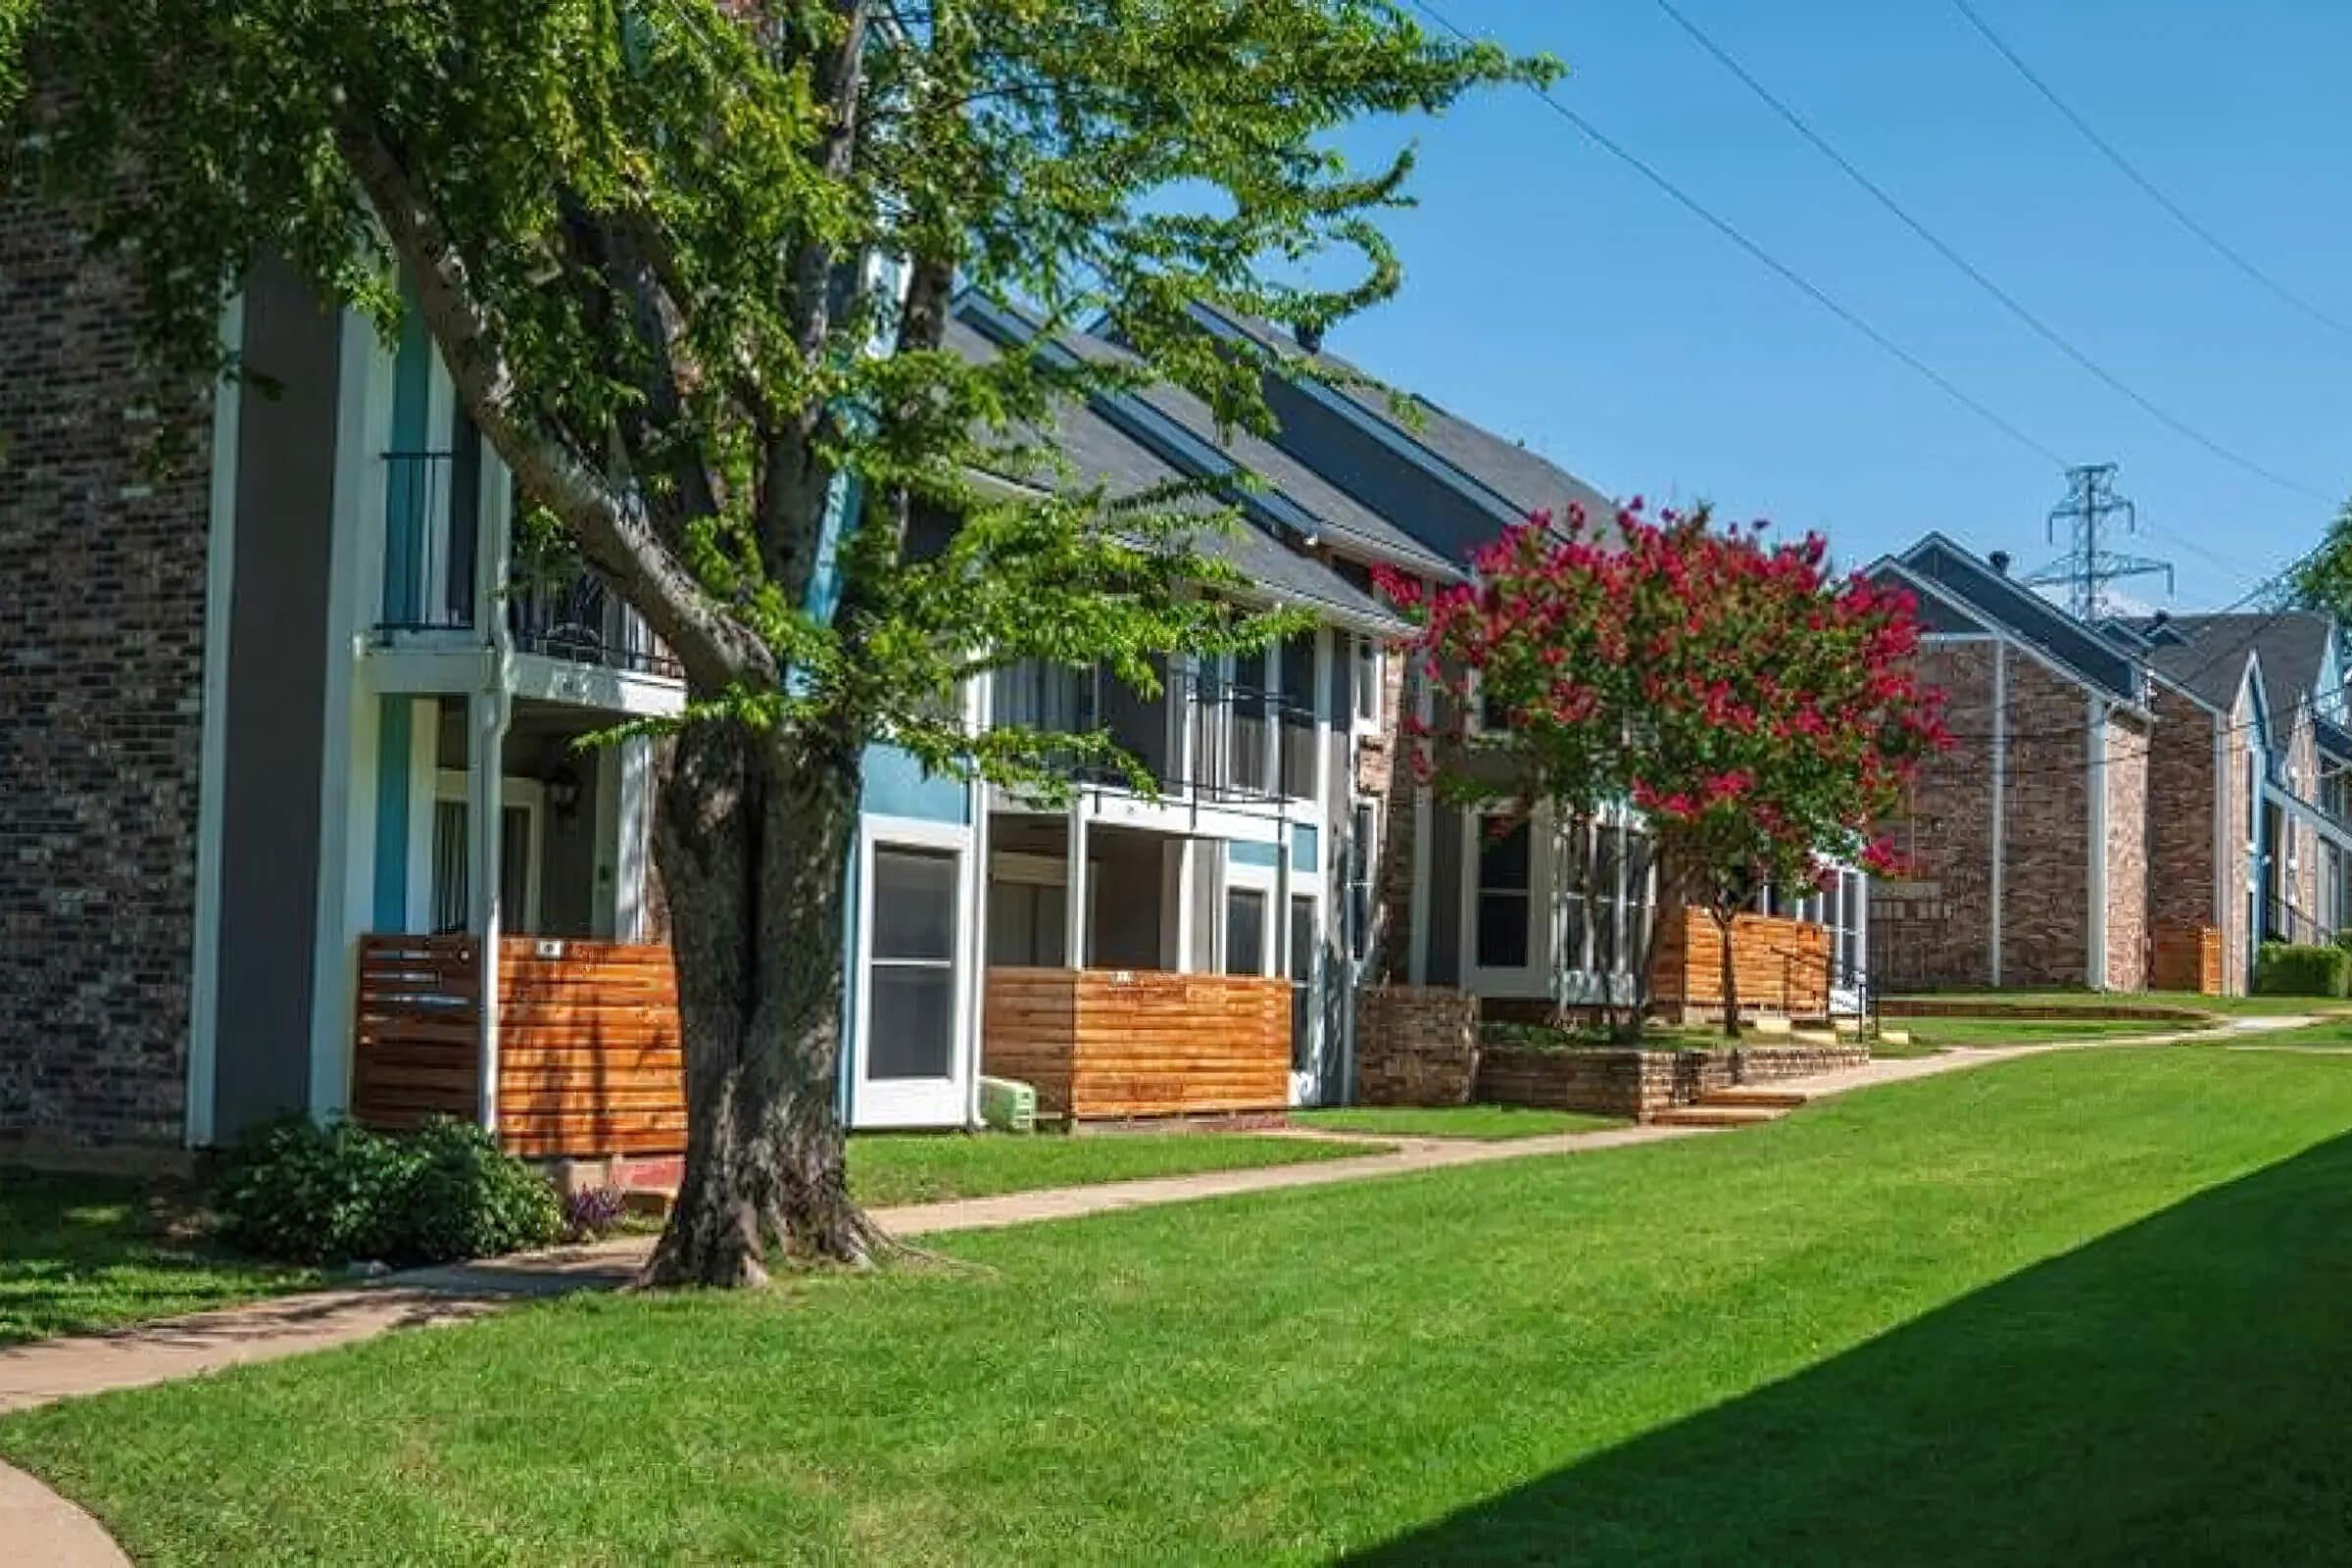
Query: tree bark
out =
(1724, 917)
(751, 835)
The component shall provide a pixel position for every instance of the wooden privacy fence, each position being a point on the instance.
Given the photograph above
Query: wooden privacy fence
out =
(590, 1059)
(1780, 965)
(1119, 1043)
(2186, 958)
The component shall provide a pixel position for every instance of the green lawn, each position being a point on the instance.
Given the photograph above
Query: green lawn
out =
(886, 1169)
(2255, 1007)
(2082, 1307)
(1486, 1123)
(1939, 1034)
(79, 1253)
(2333, 1035)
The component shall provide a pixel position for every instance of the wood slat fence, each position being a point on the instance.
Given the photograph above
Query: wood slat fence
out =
(1102, 1044)
(590, 1057)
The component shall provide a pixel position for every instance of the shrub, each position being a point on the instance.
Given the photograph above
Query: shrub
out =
(2286, 970)
(319, 1195)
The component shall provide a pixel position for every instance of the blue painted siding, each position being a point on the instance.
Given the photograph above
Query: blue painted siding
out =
(394, 738)
(895, 785)
(1305, 840)
(1251, 855)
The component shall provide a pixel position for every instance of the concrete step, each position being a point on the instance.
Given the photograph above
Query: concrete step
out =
(1754, 1098)
(1717, 1116)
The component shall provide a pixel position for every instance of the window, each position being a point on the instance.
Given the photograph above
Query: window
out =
(1296, 779)
(1253, 758)
(1038, 694)
(518, 853)
(1640, 895)
(1576, 895)
(911, 1030)
(1505, 864)
(1852, 890)
(1371, 668)
(1362, 865)
(1244, 931)
(1026, 925)
(1302, 979)
(1608, 954)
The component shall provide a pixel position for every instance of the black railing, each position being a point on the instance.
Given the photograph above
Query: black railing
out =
(431, 504)
(1244, 744)
(2282, 921)
(572, 614)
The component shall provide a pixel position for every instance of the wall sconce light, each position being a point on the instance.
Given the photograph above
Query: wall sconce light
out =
(564, 790)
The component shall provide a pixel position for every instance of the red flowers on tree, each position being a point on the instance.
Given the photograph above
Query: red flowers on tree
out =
(1759, 713)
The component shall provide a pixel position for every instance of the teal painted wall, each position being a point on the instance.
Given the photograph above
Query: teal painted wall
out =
(897, 786)
(395, 738)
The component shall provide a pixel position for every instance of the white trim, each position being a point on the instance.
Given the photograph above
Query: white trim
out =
(424, 765)
(2095, 973)
(515, 792)
(915, 1101)
(634, 854)
(2000, 802)
(979, 701)
(212, 768)
(1417, 938)
(345, 891)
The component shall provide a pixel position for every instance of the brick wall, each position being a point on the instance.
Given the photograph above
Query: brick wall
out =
(1931, 924)
(2180, 816)
(2127, 807)
(101, 631)
(1416, 1046)
(1384, 771)
(1638, 1083)
(2045, 879)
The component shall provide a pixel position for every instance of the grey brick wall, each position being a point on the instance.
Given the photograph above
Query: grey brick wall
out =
(101, 657)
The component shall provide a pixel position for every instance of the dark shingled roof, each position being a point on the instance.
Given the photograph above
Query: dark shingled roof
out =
(2210, 656)
(1519, 481)
(1098, 452)
(2094, 660)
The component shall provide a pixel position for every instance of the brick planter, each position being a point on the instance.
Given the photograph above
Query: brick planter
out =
(1416, 1046)
(1638, 1083)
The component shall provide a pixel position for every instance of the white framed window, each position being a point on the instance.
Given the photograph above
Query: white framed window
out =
(1371, 673)
(1503, 918)
(1248, 937)
(523, 803)
(1363, 872)
(911, 1022)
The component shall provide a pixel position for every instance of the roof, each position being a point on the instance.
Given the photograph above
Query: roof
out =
(1098, 453)
(2208, 654)
(1511, 479)
(2076, 648)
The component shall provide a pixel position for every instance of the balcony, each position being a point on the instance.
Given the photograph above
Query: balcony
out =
(1204, 738)
(572, 614)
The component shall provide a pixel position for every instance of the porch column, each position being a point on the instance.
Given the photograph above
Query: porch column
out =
(1073, 911)
(485, 821)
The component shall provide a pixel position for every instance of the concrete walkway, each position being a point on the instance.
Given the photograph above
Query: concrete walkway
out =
(191, 1345)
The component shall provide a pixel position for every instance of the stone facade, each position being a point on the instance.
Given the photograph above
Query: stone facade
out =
(1416, 1046)
(101, 653)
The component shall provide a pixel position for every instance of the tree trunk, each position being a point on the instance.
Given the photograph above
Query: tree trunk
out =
(1645, 967)
(1724, 918)
(752, 835)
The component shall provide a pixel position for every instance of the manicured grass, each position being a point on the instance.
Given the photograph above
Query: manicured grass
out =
(1938, 1034)
(2333, 1035)
(887, 1169)
(1486, 1123)
(2082, 1307)
(78, 1254)
(2249, 1007)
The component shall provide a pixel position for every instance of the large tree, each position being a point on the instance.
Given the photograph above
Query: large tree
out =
(1757, 710)
(690, 263)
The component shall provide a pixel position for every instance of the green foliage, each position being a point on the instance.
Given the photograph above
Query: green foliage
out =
(2323, 579)
(690, 262)
(295, 1190)
(2291, 969)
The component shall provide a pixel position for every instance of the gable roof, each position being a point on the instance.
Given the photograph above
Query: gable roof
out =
(2211, 652)
(2074, 647)
(1503, 477)
(1100, 452)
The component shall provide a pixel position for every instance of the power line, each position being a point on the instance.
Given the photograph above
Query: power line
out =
(2131, 171)
(1787, 274)
(1974, 273)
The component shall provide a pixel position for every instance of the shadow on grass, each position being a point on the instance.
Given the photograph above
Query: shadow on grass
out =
(2180, 1391)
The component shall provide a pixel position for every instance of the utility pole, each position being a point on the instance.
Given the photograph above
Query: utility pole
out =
(2087, 569)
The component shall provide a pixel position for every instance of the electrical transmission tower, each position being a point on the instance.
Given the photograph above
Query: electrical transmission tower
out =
(2086, 570)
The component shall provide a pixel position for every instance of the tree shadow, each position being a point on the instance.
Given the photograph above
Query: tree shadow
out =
(2179, 1391)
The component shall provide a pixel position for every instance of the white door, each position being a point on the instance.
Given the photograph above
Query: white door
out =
(913, 1063)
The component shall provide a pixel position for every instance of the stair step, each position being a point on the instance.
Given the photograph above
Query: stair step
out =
(1717, 1116)
(1758, 1099)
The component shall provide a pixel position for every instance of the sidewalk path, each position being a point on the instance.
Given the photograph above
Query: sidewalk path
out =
(36, 1520)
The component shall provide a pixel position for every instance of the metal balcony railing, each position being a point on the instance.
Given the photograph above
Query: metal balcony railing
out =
(1240, 742)
(2282, 921)
(570, 612)
(430, 512)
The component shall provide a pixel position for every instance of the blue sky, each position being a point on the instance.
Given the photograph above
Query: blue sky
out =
(1554, 297)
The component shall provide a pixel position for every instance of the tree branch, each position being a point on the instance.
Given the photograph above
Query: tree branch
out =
(611, 528)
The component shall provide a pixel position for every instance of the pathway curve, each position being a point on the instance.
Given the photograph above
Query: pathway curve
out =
(199, 1343)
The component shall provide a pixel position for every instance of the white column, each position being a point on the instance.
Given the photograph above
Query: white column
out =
(424, 779)
(1074, 879)
(219, 580)
(485, 820)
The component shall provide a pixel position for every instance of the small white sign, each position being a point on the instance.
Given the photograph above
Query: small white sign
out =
(549, 950)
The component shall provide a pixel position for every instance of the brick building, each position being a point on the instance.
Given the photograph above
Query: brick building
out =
(2136, 804)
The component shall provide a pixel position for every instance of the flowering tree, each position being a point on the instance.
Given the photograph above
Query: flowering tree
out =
(1758, 711)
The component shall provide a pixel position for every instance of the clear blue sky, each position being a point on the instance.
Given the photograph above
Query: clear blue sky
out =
(1554, 297)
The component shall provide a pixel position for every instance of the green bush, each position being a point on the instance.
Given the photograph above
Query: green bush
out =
(2286, 970)
(321, 1195)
